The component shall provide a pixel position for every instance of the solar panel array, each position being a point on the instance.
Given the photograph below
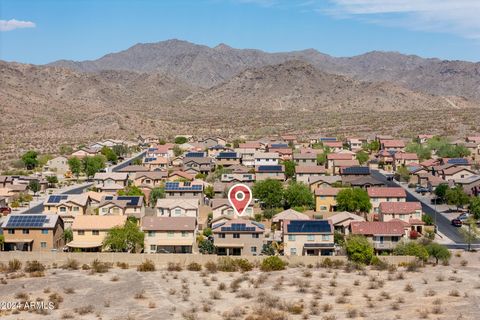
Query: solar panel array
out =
(227, 155)
(194, 154)
(133, 200)
(308, 226)
(238, 227)
(26, 221)
(175, 186)
(149, 159)
(57, 198)
(279, 145)
(328, 139)
(261, 226)
(218, 225)
(458, 161)
(270, 168)
(356, 170)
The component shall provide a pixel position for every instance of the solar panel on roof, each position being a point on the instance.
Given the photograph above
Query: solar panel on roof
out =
(227, 155)
(356, 170)
(328, 139)
(306, 226)
(270, 168)
(457, 161)
(279, 145)
(27, 221)
(194, 154)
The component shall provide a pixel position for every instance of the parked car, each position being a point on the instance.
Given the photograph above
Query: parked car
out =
(5, 210)
(456, 222)
(463, 217)
(422, 190)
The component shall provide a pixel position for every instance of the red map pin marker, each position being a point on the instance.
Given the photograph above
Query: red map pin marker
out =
(240, 197)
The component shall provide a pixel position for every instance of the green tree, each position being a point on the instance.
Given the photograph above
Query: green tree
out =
(75, 166)
(270, 192)
(373, 146)
(137, 162)
(207, 232)
(471, 232)
(427, 219)
(2, 241)
(236, 142)
(52, 181)
(289, 169)
(456, 196)
(155, 194)
(68, 235)
(109, 154)
(30, 160)
(34, 186)
(359, 249)
(268, 214)
(474, 207)
(126, 238)
(131, 190)
(362, 157)
(209, 192)
(438, 252)
(120, 150)
(298, 194)
(92, 165)
(441, 191)
(206, 246)
(321, 158)
(423, 151)
(353, 200)
(65, 149)
(403, 174)
(177, 151)
(338, 238)
(411, 248)
(180, 140)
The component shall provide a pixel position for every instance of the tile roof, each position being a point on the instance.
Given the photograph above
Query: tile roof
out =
(133, 168)
(170, 203)
(306, 156)
(393, 144)
(327, 191)
(400, 207)
(95, 222)
(405, 156)
(333, 144)
(290, 214)
(310, 169)
(386, 192)
(339, 156)
(111, 175)
(378, 228)
(169, 223)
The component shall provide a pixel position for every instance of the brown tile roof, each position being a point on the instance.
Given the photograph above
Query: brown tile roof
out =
(393, 144)
(327, 191)
(345, 163)
(377, 228)
(400, 207)
(333, 144)
(306, 156)
(310, 169)
(94, 222)
(169, 223)
(339, 156)
(405, 156)
(386, 192)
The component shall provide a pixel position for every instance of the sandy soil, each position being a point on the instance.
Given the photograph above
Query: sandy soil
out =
(439, 292)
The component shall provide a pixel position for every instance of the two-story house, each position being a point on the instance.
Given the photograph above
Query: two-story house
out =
(409, 213)
(169, 234)
(326, 199)
(308, 238)
(385, 194)
(67, 206)
(177, 207)
(196, 165)
(222, 207)
(276, 172)
(184, 189)
(110, 181)
(303, 173)
(305, 159)
(384, 236)
(238, 237)
(247, 156)
(227, 159)
(266, 158)
(122, 205)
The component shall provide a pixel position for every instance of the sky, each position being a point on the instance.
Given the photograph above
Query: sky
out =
(42, 31)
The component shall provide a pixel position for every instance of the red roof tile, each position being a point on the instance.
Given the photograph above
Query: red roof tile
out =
(386, 192)
(339, 156)
(327, 191)
(377, 228)
(400, 207)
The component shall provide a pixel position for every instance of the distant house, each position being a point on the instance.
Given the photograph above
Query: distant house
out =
(247, 156)
(308, 238)
(335, 146)
(180, 176)
(184, 190)
(194, 165)
(409, 213)
(173, 207)
(326, 199)
(385, 194)
(393, 145)
(169, 234)
(90, 231)
(266, 158)
(423, 138)
(222, 207)
(238, 237)
(366, 181)
(212, 141)
(341, 221)
(305, 159)
(150, 179)
(471, 185)
(155, 164)
(227, 159)
(215, 150)
(403, 158)
(323, 182)
(384, 236)
(147, 139)
(110, 181)
(303, 173)
(59, 165)
(32, 232)
(276, 172)
(237, 177)
(122, 205)
(356, 144)
(67, 206)
(339, 165)
(84, 152)
(455, 173)
(331, 157)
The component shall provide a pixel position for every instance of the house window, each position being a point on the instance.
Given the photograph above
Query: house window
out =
(43, 244)
(325, 237)
(44, 231)
(95, 232)
(104, 210)
(151, 233)
(253, 249)
(255, 235)
(11, 231)
(236, 235)
(293, 251)
(395, 239)
(153, 247)
(75, 209)
(221, 235)
(63, 209)
(115, 210)
(323, 197)
(170, 234)
(310, 237)
(291, 237)
(376, 199)
(81, 232)
(323, 208)
(178, 212)
(25, 231)
(184, 234)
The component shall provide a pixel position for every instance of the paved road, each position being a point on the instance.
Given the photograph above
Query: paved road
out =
(443, 224)
(126, 162)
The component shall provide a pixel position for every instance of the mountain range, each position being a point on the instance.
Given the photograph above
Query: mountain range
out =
(174, 87)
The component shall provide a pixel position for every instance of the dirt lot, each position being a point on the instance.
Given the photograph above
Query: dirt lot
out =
(299, 292)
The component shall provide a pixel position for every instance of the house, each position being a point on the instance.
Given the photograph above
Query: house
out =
(392, 145)
(180, 176)
(147, 139)
(278, 222)
(266, 158)
(67, 206)
(33, 232)
(169, 234)
(212, 141)
(59, 165)
(384, 236)
(308, 238)
(237, 177)
(122, 205)
(385, 194)
(133, 169)
(323, 182)
(403, 158)
(222, 207)
(339, 165)
(326, 199)
(173, 207)
(471, 185)
(256, 145)
(334, 146)
(305, 159)
(341, 221)
(238, 237)
(149, 179)
(110, 181)
(160, 151)
(276, 172)
(155, 163)
(283, 153)
(356, 144)
(409, 213)
(184, 189)
(455, 173)
(227, 159)
(423, 138)
(303, 173)
(196, 165)
(84, 152)
(355, 171)
(247, 156)
(331, 157)
(90, 231)
(215, 150)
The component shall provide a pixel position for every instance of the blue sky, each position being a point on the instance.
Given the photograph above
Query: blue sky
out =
(41, 31)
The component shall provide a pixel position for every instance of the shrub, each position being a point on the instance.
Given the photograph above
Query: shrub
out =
(14, 265)
(273, 263)
(379, 264)
(194, 267)
(227, 264)
(211, 266)
(173, 266)
(122, 265)
(244, 264)
(34, 266)
(146, 266)
(99, 267)
(411, 248)
(359, 249)
(438, 252)
(71, 264)
(85, 266)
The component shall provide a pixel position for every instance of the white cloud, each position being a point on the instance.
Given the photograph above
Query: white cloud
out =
(12, 24)
(460, 17)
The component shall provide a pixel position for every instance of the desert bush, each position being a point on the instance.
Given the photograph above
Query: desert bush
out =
(99, 267)
(463, 263)
(84, 310)
(352, 313)
(215, 295)
(85, 266)
(146, 266)
(172, 266)
(194, 267)
(294, 307)
(211, 266)
(71, 264)
(114, 278)
(327, 307)
(244, 264)
(273, 263)
(122, 265)
(454, 293)
(34, 266)
(140, 295)
(409, 288)
(14, 265)
(378, 264)
(56, 299)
